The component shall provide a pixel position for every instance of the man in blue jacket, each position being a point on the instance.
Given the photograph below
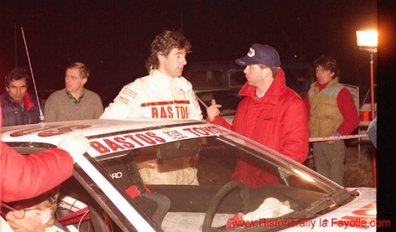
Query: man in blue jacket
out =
(18, 106)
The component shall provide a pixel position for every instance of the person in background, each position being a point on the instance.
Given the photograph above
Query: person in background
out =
(269, 113)
(18, 106)
(73, 102)
(332, 112)
(162, 94)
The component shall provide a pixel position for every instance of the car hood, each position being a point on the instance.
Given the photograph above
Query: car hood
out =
(358, 215)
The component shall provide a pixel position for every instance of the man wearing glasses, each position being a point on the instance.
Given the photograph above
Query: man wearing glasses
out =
(35, 214)
(27, 176)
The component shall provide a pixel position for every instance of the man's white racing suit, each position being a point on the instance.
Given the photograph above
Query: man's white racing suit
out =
(158, 96)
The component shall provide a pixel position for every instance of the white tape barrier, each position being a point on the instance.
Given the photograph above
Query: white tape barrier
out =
(332, 138)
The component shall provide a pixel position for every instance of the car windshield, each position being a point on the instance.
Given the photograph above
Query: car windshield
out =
(307, 193)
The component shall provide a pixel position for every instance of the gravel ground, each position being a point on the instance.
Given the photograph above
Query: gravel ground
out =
(358, 165)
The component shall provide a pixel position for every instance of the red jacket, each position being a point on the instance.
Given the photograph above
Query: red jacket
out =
(23, 177)
(277, 120)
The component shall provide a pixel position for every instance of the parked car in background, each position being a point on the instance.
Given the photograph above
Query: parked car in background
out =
(106, 192)
(222, 81)
(227, 97)
(366, 114)
(299, 75)
(354, 90)
(227, 74)
(214, 75)
(365, 108)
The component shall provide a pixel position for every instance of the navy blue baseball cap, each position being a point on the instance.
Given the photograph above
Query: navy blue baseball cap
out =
(260, 54)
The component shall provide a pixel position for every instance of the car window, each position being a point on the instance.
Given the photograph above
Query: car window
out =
(366, 100)
(218, 156)
(299, 77)
(354, 91)
(237, 77)
(77, 210)
(202, 79)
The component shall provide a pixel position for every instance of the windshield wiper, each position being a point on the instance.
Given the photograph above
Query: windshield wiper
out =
(324, 204)
(315, 209)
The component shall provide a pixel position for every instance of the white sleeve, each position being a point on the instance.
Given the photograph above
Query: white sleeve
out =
(123, 105)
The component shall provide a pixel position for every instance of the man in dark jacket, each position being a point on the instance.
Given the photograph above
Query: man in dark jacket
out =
(18, 107)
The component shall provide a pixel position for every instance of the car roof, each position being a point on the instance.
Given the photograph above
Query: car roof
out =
(54, 132)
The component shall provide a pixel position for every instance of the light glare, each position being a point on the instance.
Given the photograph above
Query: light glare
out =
(367, 38)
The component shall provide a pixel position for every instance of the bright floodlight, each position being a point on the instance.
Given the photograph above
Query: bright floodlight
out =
(367, 39)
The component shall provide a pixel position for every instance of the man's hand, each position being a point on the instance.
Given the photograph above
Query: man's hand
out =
(213, 110)
(75, 144)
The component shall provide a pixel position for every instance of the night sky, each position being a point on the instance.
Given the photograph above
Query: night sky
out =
(113, 37)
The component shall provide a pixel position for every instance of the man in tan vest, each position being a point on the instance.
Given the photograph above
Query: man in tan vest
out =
(332, 112)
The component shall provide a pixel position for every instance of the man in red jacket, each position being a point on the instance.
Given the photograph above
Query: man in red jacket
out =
(27, 176)
(269, 113)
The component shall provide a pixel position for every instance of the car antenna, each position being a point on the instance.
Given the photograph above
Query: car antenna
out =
(33, 80)
(202, 102)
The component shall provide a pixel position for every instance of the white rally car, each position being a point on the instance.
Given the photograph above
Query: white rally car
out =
(99, 198)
